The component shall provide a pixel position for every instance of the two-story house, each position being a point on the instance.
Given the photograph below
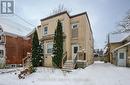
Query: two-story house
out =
(78, 37)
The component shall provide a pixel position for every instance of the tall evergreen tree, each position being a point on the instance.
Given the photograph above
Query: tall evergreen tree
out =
(58, 45)
(36, 51)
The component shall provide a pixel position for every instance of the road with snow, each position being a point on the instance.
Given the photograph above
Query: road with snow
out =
(97, 74)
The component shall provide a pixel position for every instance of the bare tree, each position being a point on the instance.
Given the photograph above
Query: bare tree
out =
(60, 9)
(126, 21)
(124, 25)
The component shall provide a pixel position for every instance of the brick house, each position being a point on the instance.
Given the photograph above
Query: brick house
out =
(15, 48)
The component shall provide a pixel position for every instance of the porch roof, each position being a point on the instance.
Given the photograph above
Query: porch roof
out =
(120, 47)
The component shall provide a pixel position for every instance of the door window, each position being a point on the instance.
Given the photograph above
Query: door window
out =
(75, 49)
(121, 55)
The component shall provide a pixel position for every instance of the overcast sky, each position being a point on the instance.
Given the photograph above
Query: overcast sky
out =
(104, 15)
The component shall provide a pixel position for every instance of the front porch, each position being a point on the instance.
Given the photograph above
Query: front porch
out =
(78, 61)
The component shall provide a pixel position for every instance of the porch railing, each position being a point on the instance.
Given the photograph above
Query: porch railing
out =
(75, 59)
(64, 59)
(27, 60)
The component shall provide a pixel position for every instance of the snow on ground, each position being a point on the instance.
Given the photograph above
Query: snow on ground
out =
(97, 74)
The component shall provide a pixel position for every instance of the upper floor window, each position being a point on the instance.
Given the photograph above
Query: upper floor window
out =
(45, 30)
(1, 53)
(49, 47)
(75, 25)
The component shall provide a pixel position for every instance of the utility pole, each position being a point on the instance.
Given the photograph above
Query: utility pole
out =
(109, 53)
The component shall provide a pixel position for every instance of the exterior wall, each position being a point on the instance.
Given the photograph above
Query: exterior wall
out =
(128, 56)
(85, 38)
(51, 24)
(48, 60)
(16, 49)
(113, 46)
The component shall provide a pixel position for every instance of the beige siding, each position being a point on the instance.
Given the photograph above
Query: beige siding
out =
(84, 37)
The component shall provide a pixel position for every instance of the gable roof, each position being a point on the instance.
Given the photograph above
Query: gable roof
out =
(114, 38)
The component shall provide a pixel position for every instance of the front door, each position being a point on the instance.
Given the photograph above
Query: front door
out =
(121, 58)
(75, 49)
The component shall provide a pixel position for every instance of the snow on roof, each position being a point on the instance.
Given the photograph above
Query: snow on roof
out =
(14, 24)
(118, 37)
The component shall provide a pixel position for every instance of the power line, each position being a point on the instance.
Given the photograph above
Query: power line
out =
(24, 20)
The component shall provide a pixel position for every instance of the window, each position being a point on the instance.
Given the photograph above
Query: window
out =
(45, 30)
(49, 47)
(1, 53)
(121, 55)
(75, 25)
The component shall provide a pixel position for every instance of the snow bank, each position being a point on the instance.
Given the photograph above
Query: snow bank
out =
(97, 74)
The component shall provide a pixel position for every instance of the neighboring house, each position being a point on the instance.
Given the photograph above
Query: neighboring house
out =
(78, 37)
(118, 50)
(2, 48)
(13, 48)
(98, 54)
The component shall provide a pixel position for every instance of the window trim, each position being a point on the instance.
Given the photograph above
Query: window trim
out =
(46, 30)
(73, 25)
(121, 55)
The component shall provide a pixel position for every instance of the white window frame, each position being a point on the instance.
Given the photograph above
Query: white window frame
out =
(44, 30)
(73, 25)
(50, 48)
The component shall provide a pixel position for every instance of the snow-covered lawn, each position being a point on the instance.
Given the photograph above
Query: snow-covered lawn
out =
(96, 74)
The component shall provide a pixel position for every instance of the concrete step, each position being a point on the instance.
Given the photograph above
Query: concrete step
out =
(68, 66)
(67, 70)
